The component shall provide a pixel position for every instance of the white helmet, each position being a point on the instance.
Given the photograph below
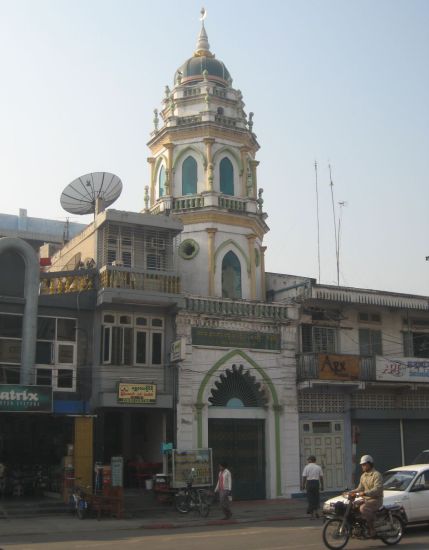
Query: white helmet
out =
(367, 458)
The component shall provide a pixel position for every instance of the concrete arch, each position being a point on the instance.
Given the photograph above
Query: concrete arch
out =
(231, 244)
(162, 159)
(31, 294)
(187, 151)
(202, 401)
(221, 152)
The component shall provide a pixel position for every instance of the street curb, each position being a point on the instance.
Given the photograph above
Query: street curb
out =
(219, 522)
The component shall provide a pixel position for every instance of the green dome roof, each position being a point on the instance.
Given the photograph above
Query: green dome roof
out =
(192, 70)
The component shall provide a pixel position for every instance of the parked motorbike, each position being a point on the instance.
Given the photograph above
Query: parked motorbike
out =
(346, 522)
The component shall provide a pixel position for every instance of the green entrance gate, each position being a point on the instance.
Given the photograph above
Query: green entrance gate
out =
(241, 443)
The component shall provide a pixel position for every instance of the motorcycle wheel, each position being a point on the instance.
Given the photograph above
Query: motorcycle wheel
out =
(398, 526)
(181, 502)
(334, 536)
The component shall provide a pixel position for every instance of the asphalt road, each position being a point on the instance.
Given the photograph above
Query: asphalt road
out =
(278, 535)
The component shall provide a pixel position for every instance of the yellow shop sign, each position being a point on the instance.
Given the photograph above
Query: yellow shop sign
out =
(135, 394)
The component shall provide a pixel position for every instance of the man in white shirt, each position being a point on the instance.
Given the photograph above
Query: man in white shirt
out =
(224, 486)
(312, 482)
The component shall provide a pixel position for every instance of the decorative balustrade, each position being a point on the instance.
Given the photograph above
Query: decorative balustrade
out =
(308, 366)
(114, 277)
(232, 203)
(226, 121)
(194, 119)
(188, 203)
(62, 282)
(241, 309)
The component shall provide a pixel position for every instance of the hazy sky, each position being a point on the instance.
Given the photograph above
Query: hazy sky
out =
(340, 82)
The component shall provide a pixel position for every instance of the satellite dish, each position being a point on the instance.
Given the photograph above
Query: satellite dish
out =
(91, 193)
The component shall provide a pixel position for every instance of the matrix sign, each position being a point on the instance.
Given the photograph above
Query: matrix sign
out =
(17, 398)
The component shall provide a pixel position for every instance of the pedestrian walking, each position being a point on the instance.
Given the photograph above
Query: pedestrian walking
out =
(312, 483)
(224, 487)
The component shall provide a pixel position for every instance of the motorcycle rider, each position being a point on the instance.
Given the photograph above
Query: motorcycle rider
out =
(371, 489)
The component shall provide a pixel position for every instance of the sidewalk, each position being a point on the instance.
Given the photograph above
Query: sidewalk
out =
(164, 518)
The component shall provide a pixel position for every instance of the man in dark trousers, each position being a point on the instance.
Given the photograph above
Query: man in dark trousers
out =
(312, 482)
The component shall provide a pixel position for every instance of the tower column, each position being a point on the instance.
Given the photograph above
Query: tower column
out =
(251, 243)
(169, 171)
(211, 248)
(253, 165)
(263, 289)
(151, 161)
(244, 151)
(209, 170)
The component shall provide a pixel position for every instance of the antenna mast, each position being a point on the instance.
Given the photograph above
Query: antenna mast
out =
(335, 225)
(317, 214)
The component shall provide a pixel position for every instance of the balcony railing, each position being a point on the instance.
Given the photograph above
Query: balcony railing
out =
(236, 308)
(114, 277)
(308, 366)
(188, 203)
(62, 282)
(232, 204)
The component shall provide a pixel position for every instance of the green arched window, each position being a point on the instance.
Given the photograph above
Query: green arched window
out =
(231, 276)
(189, 176)
(226, 171)
(161, 182)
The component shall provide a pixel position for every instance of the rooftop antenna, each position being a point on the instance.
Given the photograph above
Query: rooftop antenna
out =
(317, 214)
(91, 194)
(335, 224)
(341, 205)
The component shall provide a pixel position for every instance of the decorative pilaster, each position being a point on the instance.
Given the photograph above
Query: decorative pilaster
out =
(151, 161)
(169, 172)
(244, 163)
(251, 243)
(211, 249)
(253, 166)
(263, 289)
(209, 172)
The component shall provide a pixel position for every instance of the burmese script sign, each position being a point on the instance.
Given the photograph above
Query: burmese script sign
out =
(135, 394)
(195, 464)
(402, 369)
(17, 398)
(338, 367)
(235, 339)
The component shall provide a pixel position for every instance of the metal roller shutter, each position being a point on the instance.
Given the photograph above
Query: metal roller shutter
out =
(416, 438)
(382, 440)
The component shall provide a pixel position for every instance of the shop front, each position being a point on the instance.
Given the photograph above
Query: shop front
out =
(33, 440)
(134, 427)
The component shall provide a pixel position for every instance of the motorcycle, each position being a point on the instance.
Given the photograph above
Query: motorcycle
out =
(346, 522)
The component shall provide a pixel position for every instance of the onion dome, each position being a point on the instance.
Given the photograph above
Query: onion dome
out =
(203, 64)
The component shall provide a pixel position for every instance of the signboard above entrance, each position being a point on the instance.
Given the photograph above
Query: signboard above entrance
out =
(338, 367)
(402, 369)
(17, 398)
(136, 394)
(235, 339)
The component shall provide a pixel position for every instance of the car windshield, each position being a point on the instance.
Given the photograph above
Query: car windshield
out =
(397, 481)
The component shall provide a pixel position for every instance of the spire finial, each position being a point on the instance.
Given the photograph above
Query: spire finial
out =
(203, 46)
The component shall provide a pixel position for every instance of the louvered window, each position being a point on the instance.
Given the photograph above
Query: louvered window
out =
(318, 339)
(370, 342)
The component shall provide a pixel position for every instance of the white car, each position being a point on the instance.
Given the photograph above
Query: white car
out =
(407, 486)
